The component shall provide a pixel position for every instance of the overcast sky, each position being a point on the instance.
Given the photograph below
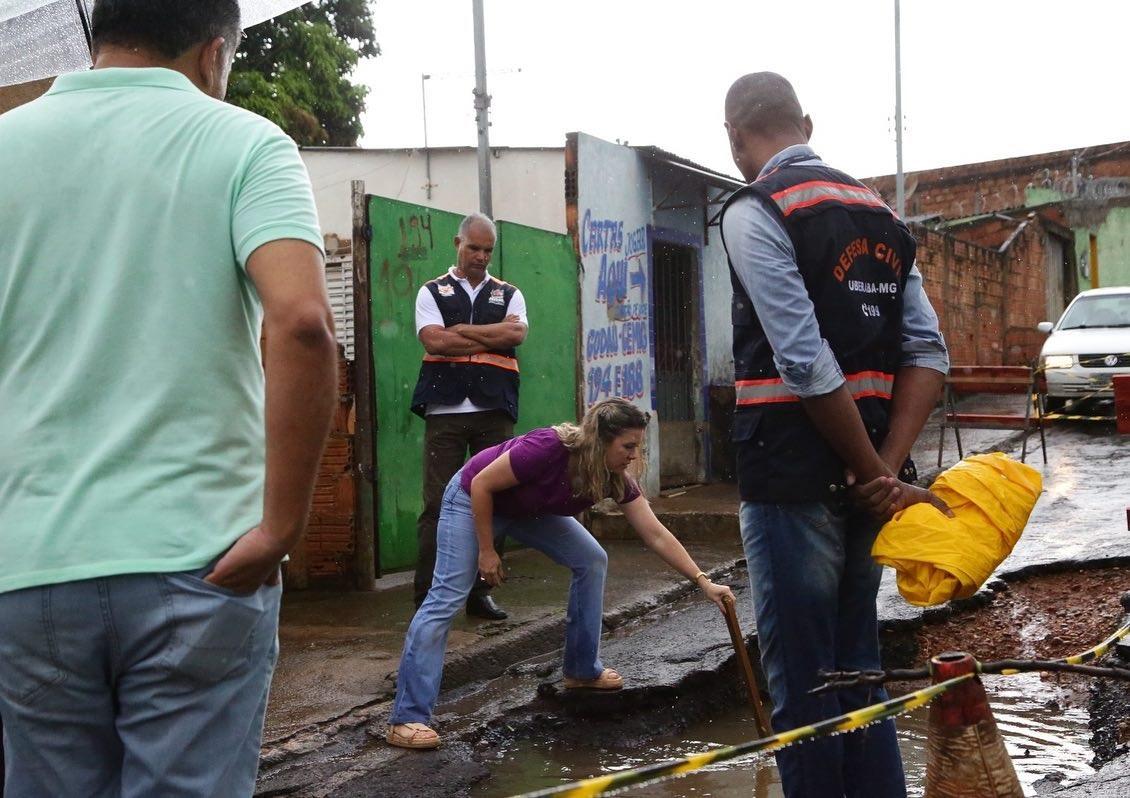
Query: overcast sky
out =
(982, 79)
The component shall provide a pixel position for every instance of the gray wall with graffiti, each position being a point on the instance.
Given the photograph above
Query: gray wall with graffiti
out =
(614, 209)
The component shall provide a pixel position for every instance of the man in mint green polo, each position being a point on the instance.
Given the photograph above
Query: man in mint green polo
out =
(151, 479)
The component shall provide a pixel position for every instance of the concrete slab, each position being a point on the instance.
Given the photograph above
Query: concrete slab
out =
(1112, 781)
(696, 512)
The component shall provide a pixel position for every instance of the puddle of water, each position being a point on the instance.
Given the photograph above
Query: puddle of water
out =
(1042, 739)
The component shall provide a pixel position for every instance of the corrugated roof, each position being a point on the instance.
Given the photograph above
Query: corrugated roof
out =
(712, 176)
(456, 148)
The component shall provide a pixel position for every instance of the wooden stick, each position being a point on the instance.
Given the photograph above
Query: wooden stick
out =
(742, 653)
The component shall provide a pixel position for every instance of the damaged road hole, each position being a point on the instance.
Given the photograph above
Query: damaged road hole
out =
(1049, 722)
(502, 738)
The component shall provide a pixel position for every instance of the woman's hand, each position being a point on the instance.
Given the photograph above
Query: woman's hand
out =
(490, 567)
(716, 593)
(497, 476)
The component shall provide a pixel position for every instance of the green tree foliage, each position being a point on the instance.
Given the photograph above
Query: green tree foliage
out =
(295, 70)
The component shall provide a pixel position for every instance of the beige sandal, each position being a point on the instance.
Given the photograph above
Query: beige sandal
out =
(608, 680)
(412, 735)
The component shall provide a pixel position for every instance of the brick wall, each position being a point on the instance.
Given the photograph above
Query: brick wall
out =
(1025, 295)
(956, 192)
(13, 96)
(988, 302)
(325, 555)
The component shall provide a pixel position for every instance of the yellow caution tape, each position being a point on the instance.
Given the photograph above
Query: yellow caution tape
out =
(1089, 655)
(1065, 417)
(588, 788)
(1069, 417)
(1092, 394)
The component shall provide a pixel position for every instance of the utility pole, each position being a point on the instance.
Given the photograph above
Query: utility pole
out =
(482, 108)
(900, 178)
(85, 21)
(427, 152)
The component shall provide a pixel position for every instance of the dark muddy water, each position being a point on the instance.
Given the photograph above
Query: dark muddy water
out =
(1044, 736)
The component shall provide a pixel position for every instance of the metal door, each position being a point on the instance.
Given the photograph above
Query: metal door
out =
(675, 273)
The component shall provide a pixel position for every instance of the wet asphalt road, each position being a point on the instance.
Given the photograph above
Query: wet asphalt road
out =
(678, 664)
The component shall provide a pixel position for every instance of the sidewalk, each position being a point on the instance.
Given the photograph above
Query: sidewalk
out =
(339, 651)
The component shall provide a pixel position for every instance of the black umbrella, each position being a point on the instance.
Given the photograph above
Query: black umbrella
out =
(44, 38)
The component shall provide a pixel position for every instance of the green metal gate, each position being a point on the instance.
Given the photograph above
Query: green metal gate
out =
(410, 245)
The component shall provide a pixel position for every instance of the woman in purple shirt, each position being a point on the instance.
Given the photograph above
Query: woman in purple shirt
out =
(529, 488)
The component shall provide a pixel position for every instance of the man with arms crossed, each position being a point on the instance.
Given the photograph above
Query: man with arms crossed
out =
(146, 497)
(838, 362)
(469, 323)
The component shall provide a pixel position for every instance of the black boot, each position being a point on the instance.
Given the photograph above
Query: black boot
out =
(481, 605)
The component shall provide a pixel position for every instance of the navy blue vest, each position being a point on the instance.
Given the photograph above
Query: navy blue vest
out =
(854, 256)
(490, 379)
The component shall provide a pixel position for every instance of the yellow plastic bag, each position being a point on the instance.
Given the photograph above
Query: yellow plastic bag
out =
(940, 558)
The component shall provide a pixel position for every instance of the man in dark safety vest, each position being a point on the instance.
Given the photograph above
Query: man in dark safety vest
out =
(838, 362)
(469, 323)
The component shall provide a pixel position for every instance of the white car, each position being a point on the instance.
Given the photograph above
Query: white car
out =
(1088, 345)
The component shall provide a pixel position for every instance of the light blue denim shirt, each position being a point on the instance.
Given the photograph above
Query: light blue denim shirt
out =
(765, 261)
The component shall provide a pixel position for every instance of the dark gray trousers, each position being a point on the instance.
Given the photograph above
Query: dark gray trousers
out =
(449, 440)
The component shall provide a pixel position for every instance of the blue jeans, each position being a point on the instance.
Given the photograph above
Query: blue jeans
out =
(135, 685)
(814, 586)
(564, 540)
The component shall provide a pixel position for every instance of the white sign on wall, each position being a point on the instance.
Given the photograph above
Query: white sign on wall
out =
(617, 324)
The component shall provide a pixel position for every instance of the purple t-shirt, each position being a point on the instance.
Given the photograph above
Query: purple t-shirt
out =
(540, 461)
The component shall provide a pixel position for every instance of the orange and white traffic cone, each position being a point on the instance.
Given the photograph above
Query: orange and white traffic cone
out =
(965, 757)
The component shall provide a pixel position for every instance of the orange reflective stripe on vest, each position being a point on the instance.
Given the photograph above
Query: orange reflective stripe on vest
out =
(773, 390)
(763, 392)
(482, 358)
(804, 195)
(870, 383)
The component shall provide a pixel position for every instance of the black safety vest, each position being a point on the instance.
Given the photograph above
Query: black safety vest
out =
(854, 256)
(489, 379)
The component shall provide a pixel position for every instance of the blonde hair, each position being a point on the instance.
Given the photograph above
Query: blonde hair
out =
(603, 423)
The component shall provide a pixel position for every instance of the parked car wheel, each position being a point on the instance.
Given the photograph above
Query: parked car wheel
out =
(1054, 404)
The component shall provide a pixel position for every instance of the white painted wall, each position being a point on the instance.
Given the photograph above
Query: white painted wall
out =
(528, 184)
(717, 294)
(614, 209)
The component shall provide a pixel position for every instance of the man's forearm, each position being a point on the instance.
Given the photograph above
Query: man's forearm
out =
(837, 419)
(503, 335)
(301, 388)
(451, 343)
(915, 393)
